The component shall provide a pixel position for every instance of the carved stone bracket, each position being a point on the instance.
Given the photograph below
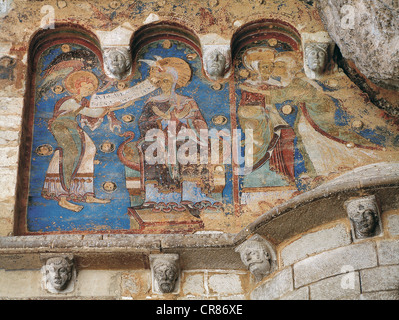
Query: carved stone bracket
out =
(217, 61)
(318, 51)
(259, 256)
(216, 53)
(117, 62)
(364, 215)
(165, 272)
(58, 273)
(356, 25)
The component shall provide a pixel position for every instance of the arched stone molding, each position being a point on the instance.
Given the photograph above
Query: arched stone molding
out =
(159, 30)
(309, 209)
(265, 29)
(203, 44)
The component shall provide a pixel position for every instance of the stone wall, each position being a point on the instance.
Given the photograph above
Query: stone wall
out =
(321, 264)
(325, 264)
(129, 285)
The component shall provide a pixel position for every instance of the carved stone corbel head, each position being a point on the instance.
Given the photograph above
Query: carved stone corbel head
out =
(258, 256)
(117, 62)
(216, 61)
(316, 58)
(364, 216)
(165, 272)
(58, 274)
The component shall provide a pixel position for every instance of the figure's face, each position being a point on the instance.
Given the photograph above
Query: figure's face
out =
(365, 223)
(163, 80)
(280, 69)
(116, 63)
(255, 259)
(165, 276)
(316, 59)
(265, 69)
(216, 64)
(86, 89)
(58, 274)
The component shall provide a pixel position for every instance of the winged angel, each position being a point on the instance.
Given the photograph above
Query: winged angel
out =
(70, 174)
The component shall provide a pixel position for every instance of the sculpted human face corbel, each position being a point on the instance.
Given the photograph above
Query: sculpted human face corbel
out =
(117, 62)
(257, 260)
(165, 272)
(258, 256)
(316, 57)
(364, 217)
(57, 274)
(216, 62)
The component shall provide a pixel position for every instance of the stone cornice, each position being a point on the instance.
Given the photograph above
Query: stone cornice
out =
(321, 205)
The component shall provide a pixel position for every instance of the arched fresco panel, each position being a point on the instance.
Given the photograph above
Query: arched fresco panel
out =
(310, 123)
(130, 155)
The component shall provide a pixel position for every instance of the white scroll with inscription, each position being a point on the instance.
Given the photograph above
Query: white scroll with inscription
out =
(120, 97)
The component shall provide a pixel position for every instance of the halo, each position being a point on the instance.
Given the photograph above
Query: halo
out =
(71, 79)
(182, 68)
(252, 55)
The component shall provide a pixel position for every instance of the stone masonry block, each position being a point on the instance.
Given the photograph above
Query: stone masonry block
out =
(275, 287)
(300, 294)
(20, 284)
(10, 122)
(341, 287)
(8, 156)
(8, 179)
(380, 295)
(98, 283)
(7, 209)
(225, 284)
(380, 279)
(6, 226)
(388, 252)
(334, 262)
(393, 224)
(193, 283)
(135, 283)
(11, 106)
(315, 242)
(9, 138)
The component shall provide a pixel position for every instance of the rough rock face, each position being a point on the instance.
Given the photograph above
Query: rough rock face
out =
(367, 32)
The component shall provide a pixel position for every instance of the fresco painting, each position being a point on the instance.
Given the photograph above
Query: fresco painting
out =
(306, 130)
(92, 132)
(151, 151)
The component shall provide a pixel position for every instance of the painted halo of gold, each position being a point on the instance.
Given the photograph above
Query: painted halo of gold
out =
(257, 54)
(182, 68)
(71, 79)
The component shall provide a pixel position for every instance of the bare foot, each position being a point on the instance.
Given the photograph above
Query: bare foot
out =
(91, 199)
(68, 205)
